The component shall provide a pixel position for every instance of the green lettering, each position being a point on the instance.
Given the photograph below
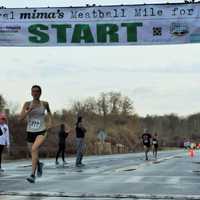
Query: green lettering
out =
(61, 32)
(82, 32)
(131, 31)
(39, 36)
(105, 31)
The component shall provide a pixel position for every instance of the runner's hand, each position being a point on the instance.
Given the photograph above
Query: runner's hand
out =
(29, 109)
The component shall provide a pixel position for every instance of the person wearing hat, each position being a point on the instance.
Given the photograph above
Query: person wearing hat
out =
(4, 136)
(146, 139)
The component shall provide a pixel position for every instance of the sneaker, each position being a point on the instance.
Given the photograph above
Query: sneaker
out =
(31, 179)
(57, 163)
(40, 169)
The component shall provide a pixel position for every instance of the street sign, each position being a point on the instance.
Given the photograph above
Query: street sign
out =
(102, 135)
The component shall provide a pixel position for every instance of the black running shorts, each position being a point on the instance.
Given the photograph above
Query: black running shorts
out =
(31, 136)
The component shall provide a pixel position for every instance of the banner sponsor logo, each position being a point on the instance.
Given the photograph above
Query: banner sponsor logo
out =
(179, 29)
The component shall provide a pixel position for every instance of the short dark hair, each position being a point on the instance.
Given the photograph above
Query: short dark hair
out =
(79, 120)
(38, 87)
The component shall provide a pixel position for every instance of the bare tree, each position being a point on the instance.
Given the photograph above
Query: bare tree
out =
(127, 106)
(2, 103)
(90, 105)
(102, 104)
(115, 102)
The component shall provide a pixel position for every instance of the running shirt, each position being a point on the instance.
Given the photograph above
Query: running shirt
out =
(4, 135)
(36, 119)
(146, 137)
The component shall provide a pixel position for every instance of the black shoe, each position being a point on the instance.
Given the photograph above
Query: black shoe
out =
(57, 163)
(1, 170)
(31, 179)
(40, 169)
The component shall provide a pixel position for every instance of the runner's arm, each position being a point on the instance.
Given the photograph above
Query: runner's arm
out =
(50, 117)
(25, 111)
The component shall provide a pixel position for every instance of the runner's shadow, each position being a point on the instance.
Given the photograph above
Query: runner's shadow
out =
(80, 169)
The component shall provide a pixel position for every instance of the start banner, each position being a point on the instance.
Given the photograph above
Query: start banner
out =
(101, 25)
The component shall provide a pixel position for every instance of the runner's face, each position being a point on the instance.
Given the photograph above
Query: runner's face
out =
(35, 93)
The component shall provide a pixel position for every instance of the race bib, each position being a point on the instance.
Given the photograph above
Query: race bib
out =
(34, 124)
(146, 141)
(154, 142)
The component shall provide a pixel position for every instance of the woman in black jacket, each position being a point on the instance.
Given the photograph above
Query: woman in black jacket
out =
(63, 134)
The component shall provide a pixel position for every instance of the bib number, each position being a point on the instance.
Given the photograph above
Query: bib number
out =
(35, 124)
(146, 141)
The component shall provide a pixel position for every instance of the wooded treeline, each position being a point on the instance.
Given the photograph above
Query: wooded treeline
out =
(113, 113)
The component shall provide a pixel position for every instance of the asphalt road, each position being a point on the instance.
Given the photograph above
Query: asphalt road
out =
(173, 176)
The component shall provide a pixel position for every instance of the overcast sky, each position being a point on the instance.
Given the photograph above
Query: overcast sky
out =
(159, 79)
